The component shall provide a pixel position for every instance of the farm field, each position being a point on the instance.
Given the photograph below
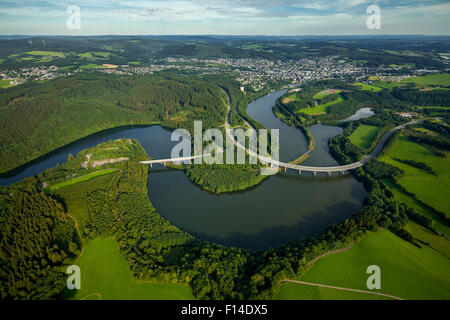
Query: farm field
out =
(407, 271)
(430, 80)
(368, 87)
(45, 53)
(428, 188)
(295, 291)
(320, 109)
(105, 275)
(5, 83)
(324, 93)
(83, 178)
(387, 84)
(418, 207)
(95, 55)
(440, 244)
(363, 136)
(91, 66)
(443, 108)
(292, 97)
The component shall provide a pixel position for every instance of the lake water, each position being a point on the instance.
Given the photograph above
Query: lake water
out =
(360, 114)
(282, 208)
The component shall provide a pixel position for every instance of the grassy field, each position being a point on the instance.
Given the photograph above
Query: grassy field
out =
(320, 109)
(368, 87)
(292, 97)
(95, 55)
(105, 275)
(387, 84)
(363, 136)
(294, 291)
(324, 93)
(5, 83)
(83, 178)
(406, 271)
(418, 207)
(443, 108)
(45, 53)
(91, 66)
(440, 244)
(428, 188)
(431, 79)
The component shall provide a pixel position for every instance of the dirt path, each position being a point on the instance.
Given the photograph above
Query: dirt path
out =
(330, 252)
(342, 289)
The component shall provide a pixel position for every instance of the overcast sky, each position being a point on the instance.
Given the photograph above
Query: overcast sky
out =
(225, 17)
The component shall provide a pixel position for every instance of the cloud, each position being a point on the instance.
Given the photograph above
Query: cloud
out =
(221, 15)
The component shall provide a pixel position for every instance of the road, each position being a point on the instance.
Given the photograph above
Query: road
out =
(283, 165)
(329, 170)
(342, 289)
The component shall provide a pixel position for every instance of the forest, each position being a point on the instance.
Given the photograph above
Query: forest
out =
(64, 110)
(116, 205)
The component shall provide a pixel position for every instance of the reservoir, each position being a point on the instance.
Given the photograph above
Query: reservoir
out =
(282, 208)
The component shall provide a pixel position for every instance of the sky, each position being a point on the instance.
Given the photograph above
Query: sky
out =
(223, 17)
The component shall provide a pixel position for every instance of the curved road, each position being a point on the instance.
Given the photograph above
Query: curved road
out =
(278, 164)
(329, 170)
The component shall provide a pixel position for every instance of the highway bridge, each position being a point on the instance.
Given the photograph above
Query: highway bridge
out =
(290, 166)
(285, 166)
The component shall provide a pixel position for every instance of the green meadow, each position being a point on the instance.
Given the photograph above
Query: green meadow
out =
(101, 55)
(5, 83)
(321, 109)
(430, 80)
(324, 93)
(46, 53)
(387, 84)
(367, 87)
(438, 224)
(105, 275)
(425, 236)
(91, 66)
(82, 178)
(407, 271)
(428, 188)
(292, 97)
(295, 291)
(364, 136)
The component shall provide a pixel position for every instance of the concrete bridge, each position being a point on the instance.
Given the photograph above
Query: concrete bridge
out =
(290, 166)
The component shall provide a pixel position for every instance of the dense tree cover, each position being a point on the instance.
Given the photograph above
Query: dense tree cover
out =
(37, 240)
(437, 127)
(117, 205)
(38, 119)
(380, 170)
(435, 141)
(225, 178)
(423, 98)
(417, 164)
(123, 49)
(353, 100)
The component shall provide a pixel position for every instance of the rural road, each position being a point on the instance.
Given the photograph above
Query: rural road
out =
(342, 289)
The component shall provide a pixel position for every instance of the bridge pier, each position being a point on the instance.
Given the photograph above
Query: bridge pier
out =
(315, 173)
(329, 173)
(151, 166)
(343, 172)
(299, 172)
